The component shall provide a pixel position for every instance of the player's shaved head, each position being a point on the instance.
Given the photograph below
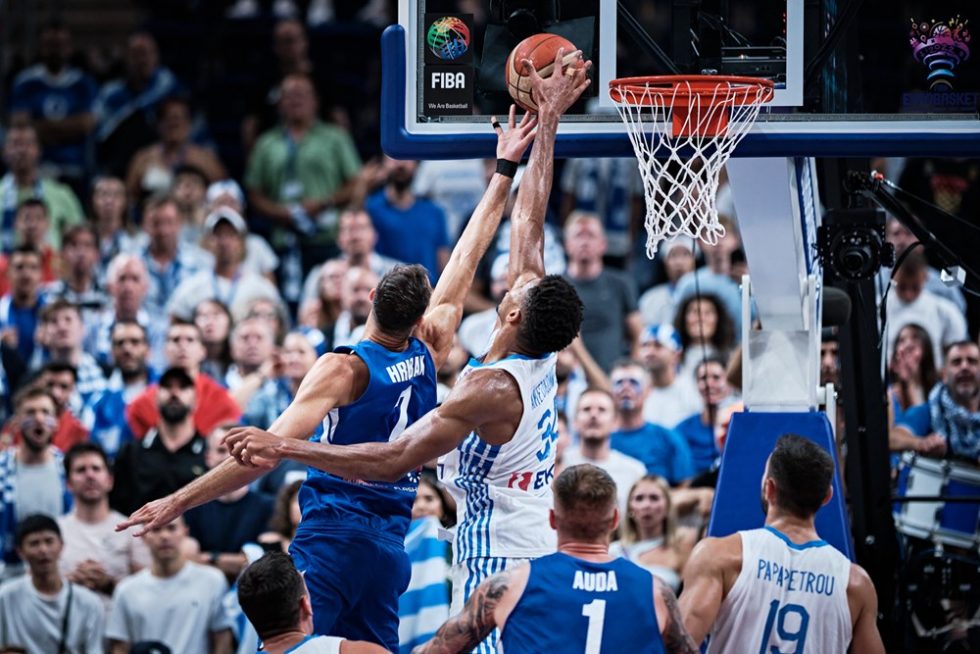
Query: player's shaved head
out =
(585, 503)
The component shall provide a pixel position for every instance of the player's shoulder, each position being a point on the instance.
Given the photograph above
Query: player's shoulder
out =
(717, 554)
(859, 582)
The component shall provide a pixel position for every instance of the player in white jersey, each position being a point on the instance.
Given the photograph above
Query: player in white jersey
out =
(782, 586)
(273, 597)
(498, 422)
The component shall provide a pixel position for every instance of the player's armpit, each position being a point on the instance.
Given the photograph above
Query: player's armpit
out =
(863, 603)
(704, 587)
(675, 636)
(462, 633)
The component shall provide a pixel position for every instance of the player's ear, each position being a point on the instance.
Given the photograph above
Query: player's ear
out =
(551, 519)
(615, 519)
(828, 496)
(374, 291)
(305, 608)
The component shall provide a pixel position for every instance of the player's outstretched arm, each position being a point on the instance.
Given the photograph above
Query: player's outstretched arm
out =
(487, 608)
(482, 397)
(672, 631)
(331, 382)
(863, 602)
(704, 586)
(446, 305)
(554, 96)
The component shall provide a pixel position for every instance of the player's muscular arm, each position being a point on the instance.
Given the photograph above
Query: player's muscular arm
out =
(446, 305)
(863, 603)
(675, 636)
(334, 380)
(485, 400)
(554, 96)
(710, 571)
(462, 633)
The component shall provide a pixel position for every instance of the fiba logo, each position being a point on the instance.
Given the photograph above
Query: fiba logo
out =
(448, 38)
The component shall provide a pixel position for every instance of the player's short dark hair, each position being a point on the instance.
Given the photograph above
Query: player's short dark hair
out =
(802, 471)
(585, 496)
(269, 592)
(551, 315)
(401, 298)
(81, 449)
(33, 524)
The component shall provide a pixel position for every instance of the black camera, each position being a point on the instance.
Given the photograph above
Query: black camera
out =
(851, 243)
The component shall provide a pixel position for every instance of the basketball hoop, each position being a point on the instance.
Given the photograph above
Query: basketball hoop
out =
(680, 158)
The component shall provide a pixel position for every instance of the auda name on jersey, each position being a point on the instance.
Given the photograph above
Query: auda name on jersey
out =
(598, 582)
(407, 369)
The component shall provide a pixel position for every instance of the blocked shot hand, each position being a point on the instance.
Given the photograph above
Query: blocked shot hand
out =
(560, 90)
(512, 143)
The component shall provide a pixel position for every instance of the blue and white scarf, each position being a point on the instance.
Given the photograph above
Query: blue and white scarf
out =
(959, 425)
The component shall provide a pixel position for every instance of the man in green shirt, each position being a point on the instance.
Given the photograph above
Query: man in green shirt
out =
(22, 154)
(297, 173)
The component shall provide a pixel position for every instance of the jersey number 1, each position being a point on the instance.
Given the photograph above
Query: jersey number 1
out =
(595, 611)
(402, 405)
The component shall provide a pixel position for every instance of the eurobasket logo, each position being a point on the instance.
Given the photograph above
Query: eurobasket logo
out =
(448, 38)
(940, 46)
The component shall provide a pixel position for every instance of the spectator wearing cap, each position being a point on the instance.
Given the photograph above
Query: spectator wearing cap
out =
(22, 154)
(31, 473)
(672, 397)
(126, 108)
(356, 238)
(611, 324)
(657, 305)
(127, 380)
(168, 261)
(699, 429)
(663, 451)
(299, 352)
(169, 456)
(228, 282)
(184, 349)
(43, 611)
(61, 333)
(259, 257)
(475, 330)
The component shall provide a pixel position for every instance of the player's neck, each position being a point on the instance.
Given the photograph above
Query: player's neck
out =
(387, 341)
(595, 552)
(283, 642)
(798, 530)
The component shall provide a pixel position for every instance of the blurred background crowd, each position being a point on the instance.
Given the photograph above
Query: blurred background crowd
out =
(195, 207)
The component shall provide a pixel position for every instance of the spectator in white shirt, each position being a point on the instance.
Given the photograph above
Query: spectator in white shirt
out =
(672, 397)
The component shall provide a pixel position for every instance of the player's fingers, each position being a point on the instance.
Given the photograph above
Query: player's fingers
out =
(495, 124)
(559, 58)
(531, 71)
(512, 116)
(528, 116)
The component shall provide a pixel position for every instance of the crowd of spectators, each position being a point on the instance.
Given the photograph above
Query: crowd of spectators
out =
(156, 289)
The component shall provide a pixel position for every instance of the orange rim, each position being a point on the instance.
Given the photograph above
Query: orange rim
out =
(639, 91)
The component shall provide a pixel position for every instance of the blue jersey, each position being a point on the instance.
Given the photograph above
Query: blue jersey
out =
(573, 606)
(401, 389)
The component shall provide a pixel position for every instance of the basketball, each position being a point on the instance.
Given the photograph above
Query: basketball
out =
(540, 49)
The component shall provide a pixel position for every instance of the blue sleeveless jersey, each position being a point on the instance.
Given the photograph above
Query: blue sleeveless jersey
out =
(402, 389)
(570, 606)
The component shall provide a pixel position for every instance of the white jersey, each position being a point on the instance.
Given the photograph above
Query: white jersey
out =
(318, 645)
(786, 595)
(503, 492)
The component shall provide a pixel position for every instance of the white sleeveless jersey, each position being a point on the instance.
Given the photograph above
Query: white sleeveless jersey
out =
(318, 645)
(503, 493)
(787, 597)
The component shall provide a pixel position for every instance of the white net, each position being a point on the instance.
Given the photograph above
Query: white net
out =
(680, 153)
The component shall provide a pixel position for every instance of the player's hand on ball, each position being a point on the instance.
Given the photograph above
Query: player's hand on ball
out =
(513, 142)
(559, 91)
(253, 447)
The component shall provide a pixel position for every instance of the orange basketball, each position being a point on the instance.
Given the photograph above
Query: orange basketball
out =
(541, 50)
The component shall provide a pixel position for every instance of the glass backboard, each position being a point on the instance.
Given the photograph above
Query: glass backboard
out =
(851, 78)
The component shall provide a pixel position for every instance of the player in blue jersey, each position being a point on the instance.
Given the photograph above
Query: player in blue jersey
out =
(577, 600)
(496, 429)
(350, 542)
